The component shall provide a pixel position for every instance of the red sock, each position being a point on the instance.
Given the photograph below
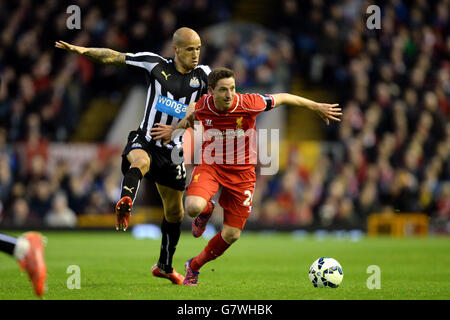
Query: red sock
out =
(215, 247)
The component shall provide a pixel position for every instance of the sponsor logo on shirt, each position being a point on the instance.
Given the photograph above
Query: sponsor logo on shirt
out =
(171, 107)
(223, 134)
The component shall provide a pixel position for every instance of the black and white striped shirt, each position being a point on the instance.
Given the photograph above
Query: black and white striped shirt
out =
(169, 92)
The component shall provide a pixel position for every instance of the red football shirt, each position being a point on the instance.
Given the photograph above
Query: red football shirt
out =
(229, 137)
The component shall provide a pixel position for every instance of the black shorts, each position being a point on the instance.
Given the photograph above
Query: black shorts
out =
(162, 169)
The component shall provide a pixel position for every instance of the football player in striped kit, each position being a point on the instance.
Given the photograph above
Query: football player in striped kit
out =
(173, 84)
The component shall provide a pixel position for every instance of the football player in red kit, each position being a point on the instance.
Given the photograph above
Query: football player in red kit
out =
(228, 158)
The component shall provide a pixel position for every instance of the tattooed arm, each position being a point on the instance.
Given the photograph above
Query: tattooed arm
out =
(101, 55)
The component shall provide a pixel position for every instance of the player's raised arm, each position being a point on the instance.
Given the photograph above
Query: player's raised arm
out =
(102, 55)
(165, 131)
(326, 111)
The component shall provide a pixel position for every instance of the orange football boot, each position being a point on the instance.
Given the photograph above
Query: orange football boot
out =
(123, 213)
(175, 277)
(33, 262)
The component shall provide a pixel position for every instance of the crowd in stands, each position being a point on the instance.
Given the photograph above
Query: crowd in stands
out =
(31, 194)
(44, 91)
(393, 83)
(394, 86)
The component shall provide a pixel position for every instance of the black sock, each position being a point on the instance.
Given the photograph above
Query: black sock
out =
(7, 243)
(130, 183)
(170, 237)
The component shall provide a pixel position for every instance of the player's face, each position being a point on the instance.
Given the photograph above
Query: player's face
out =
(223, 93)
(189, 53)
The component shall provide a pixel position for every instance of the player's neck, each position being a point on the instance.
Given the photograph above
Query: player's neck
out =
(179, 67)
(221, 108)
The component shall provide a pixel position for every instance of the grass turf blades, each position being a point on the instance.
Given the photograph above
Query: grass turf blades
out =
(258, 266)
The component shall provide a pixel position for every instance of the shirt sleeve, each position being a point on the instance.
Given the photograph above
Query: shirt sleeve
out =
(144, 60)
(258, 102)
(206, 69)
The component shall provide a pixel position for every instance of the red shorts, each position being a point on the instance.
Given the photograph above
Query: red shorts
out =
(237, 190)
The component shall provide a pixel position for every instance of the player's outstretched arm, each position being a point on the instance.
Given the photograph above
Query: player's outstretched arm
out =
(165, 131)
(326, 111)
(101, 55)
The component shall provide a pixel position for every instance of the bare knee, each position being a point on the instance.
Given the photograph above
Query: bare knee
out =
(230, 234)
(194, 205)
(139, 158)
(174, 214)
(142, 164)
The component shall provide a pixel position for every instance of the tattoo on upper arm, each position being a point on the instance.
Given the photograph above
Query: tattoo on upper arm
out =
(104, 55)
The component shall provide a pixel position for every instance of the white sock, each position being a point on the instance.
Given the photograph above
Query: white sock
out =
(21, 248)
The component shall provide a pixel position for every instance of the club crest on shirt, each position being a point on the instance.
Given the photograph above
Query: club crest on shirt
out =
(196, 177)
(136, 145)
(194, 83)
(239, 123)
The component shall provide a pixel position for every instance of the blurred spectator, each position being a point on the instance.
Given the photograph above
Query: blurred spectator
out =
(20, 215)
(443, 201)
(6, 178)
(41, 194)
(77, 194)
(60, 215)
(97, 203)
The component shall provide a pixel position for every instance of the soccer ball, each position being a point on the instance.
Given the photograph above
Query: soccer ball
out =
(326, 272)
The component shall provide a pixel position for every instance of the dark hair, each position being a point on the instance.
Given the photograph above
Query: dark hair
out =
(217, 74)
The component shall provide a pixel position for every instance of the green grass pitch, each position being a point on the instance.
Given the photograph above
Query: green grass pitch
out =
(114, 265)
